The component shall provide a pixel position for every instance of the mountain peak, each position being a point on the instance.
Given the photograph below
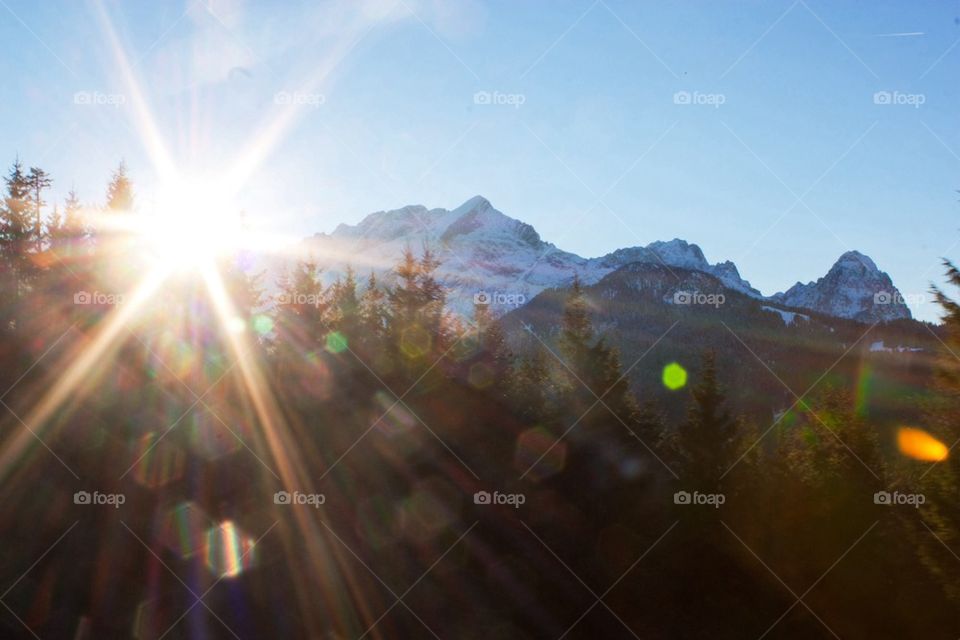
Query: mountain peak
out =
(856, 260)
(853, 288)
(679, 253)
(477, 204)
(478, 218)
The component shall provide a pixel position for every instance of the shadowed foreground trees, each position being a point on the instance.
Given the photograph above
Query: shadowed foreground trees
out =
(398, 413)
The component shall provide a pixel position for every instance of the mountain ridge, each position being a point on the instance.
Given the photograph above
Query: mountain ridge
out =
(483, 249)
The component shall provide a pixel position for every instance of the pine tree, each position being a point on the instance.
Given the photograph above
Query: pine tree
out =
(346, 303)
(374, 317)
(405, 297)
(113, 259)
(949, 370)
(38, 179)
(532, 391)
(120, 191)
(67, 231)
(494, 342)
(707, 441)
(651, 425)
(495, 353)
(418, 319)
(434, 298)
(301, 310)
(595, 367)
(577, 330)
(607, 377)
(942, 484)
(15, 235)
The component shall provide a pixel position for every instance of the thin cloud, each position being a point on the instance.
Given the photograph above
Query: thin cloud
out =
(903, 34)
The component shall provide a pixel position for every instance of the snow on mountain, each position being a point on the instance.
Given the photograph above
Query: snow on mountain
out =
(788, 317)
(853, 288)
(481, 250)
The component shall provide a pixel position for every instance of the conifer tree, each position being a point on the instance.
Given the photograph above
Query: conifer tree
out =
(38, 179)
(942, 484)
(531, 390)
(120, 191)
(417, 302)
(577, 330)
(405, 297)
(15, 235)
(495, 353)
(607, 377)
(301, 309)
(346, 302)
(242, 284)
(67, 231)
(706, 442)
(433, 297)
(593, 364)
(373, 317)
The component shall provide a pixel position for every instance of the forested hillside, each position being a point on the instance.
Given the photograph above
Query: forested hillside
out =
(181, 454)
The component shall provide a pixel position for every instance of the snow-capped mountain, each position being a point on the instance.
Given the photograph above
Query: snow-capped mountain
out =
(853, 288)
(481, 250)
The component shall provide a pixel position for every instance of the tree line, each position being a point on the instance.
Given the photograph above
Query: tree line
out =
(405, 409)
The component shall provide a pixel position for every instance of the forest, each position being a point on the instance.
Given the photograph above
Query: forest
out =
(202, 453)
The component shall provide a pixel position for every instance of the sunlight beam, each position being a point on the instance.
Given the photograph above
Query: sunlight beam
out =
(81, 369)
(144, 121)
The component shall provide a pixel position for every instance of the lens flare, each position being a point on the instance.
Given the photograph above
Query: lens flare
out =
(184, 527)
(920, 445)
(865, 383)
(336, 342)
(674, 376)
(228, 551)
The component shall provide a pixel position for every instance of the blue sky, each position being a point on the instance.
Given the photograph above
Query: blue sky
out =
(782, 160)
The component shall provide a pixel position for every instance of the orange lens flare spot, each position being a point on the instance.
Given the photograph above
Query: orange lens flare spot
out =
(920, 445)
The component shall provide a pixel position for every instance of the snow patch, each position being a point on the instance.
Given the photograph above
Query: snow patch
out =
(787, 316)
(879, 346)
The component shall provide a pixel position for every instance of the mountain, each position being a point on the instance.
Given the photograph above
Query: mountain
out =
(483, 251)
(649, 311)
(853, 288)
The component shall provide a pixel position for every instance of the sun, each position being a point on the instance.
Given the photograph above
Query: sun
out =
(193, 223)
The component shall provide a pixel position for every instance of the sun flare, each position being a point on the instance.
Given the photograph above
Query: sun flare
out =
(192, 224)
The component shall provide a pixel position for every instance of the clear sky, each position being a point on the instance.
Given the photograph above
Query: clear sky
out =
(753, 129)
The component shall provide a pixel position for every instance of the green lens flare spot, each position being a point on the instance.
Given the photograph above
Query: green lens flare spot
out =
(262, 325)
(674, 376)
(336, 342)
